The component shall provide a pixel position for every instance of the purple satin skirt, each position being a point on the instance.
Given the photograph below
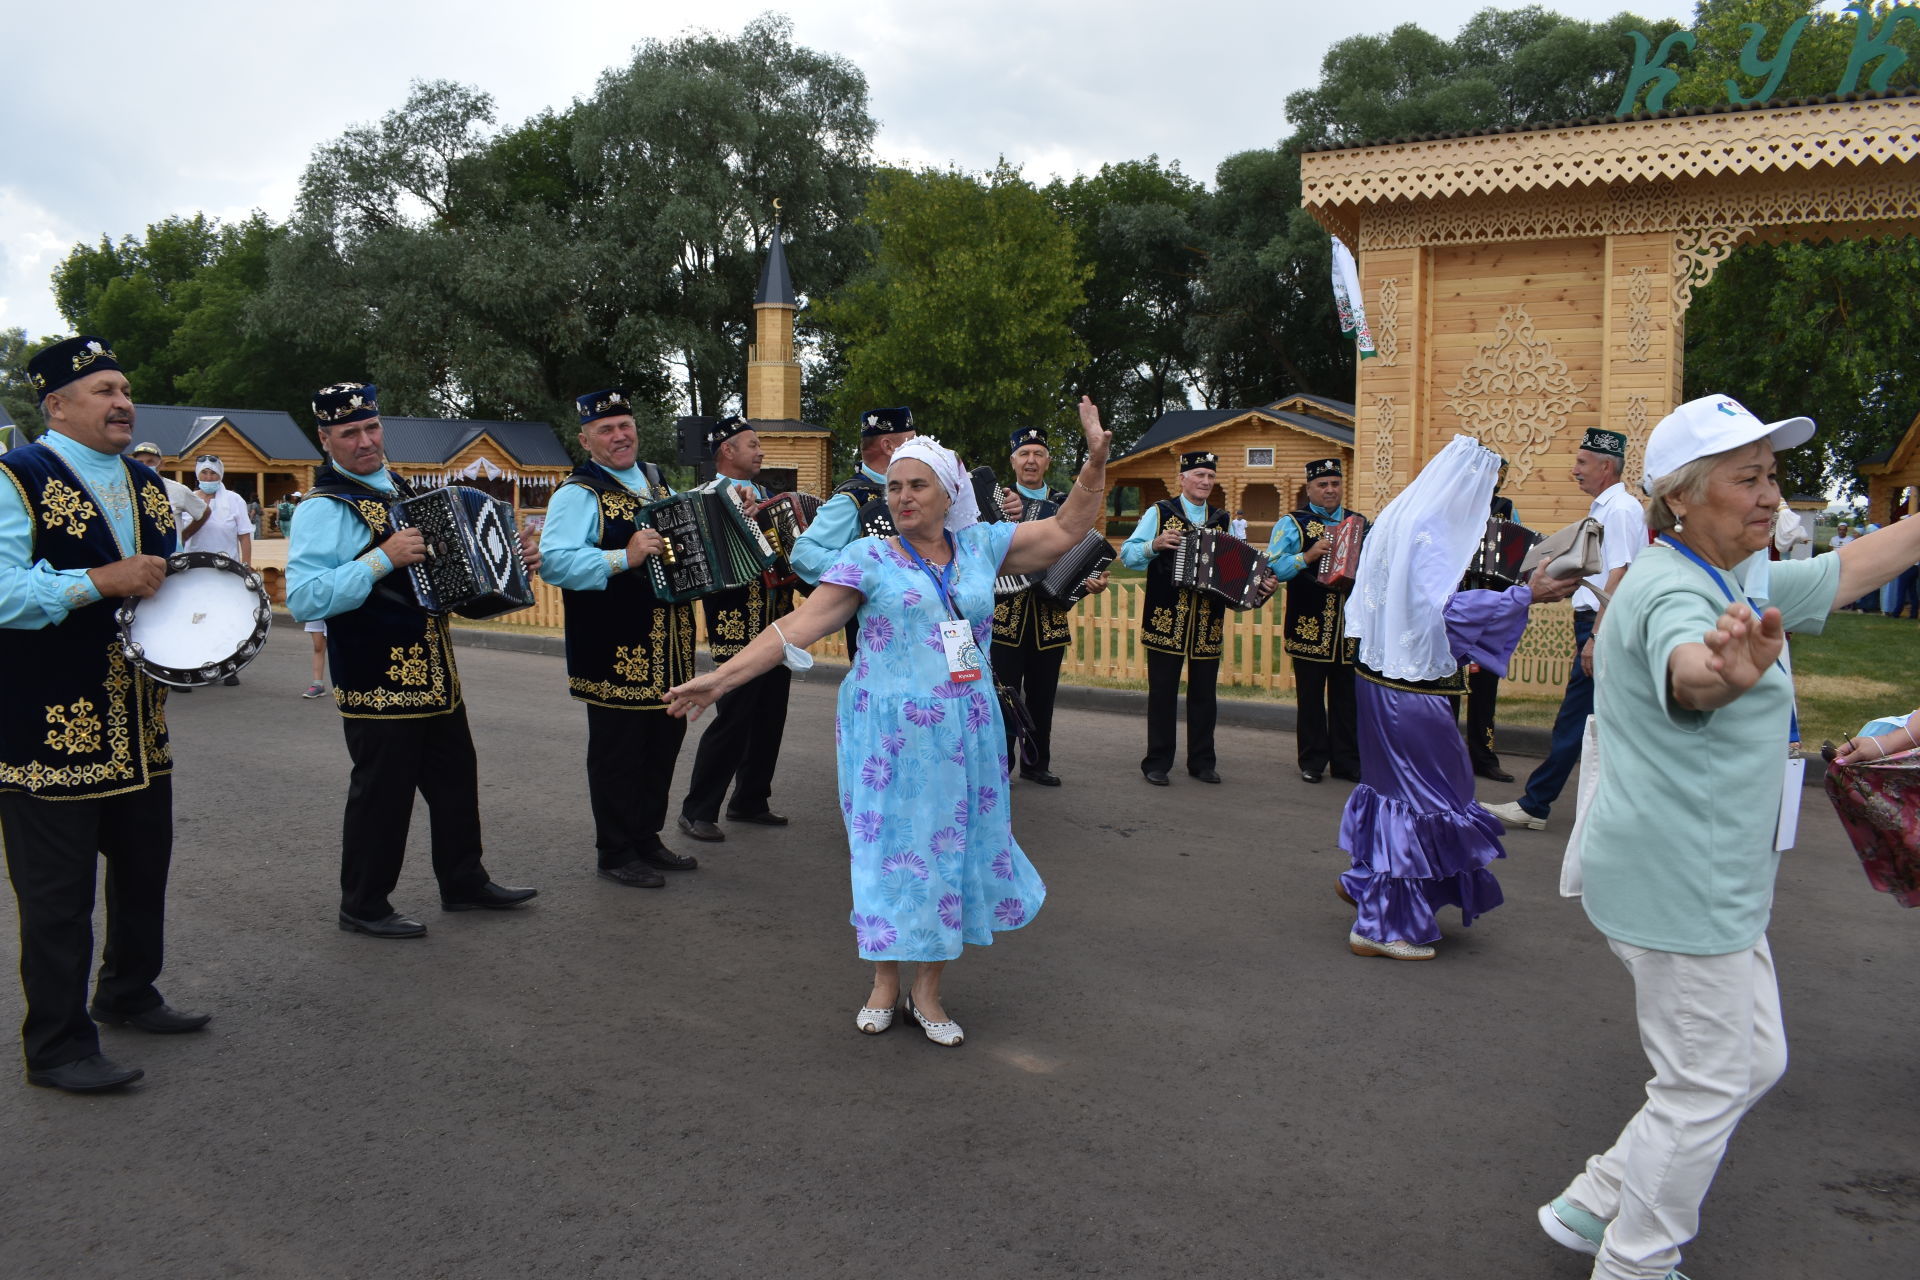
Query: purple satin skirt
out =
(1417, 839)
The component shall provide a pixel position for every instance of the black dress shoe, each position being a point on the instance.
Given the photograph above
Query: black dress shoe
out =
(1495, 772)
(1158, 777)
(1205, 775)
(701, 829)
(90, 1074)
(764, 818)
(1041, 776)
(489, 897)
(664, 859)
(1345, 776)
(231, 681)
(391, 925)
(161, 1020)
(635, 875)
(1309, 775)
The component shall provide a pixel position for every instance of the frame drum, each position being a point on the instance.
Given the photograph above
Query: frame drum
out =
(206, 622)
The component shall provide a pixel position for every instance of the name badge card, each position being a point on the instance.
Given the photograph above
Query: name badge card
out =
(1789, 824)
(963, 654)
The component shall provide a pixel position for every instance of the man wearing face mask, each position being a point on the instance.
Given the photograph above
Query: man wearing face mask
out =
(228, 528)
(394, 678)
(625, 646)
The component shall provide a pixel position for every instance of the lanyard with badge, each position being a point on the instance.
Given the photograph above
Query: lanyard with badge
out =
(964, 662)
(1796, 770)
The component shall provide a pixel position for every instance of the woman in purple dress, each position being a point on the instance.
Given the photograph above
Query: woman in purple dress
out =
(1417, 839)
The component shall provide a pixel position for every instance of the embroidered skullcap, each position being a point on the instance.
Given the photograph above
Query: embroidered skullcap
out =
(963, 510)
(1611, 443)
(1198, 458)
(345, 402)
(884, 422)
(68, 361)
(1323, 467)
(1028, 435)
(725, 430)
(610, 403)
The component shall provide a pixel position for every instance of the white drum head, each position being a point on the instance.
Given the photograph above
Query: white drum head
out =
(200, 617)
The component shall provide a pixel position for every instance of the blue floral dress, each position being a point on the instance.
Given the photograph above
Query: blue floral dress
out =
(923, 765)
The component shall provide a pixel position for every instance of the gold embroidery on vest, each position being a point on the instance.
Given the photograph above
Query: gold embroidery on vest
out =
(117, 767)
(373, 512)
(153, 501)
(76, 730)
(409, 665)
(730, 624)
(630, 663)
(618, 506)
(65, 505)
(442, 690)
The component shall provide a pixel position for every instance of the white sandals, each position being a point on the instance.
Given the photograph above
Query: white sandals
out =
(942, 1033)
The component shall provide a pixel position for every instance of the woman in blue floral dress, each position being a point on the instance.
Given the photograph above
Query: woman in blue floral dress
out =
(921, 748)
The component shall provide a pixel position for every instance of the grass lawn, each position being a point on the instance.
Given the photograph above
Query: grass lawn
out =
(1861, 667)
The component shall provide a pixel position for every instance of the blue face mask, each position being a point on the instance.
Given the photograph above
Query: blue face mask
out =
(211, 486)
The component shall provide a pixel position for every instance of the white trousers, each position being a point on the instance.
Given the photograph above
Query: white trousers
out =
(1711, 1027)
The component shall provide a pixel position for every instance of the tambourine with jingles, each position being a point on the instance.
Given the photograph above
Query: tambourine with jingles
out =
(208, 620)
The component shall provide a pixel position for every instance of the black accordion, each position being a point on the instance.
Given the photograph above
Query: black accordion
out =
(783, 518)
(1012, 584)
(1065, 584)
(473, 565)
(876, 518)
(1220, 564)
(1496, 561)
(711, 544)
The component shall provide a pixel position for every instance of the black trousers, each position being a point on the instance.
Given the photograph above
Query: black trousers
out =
(1163, 706)
(1483, 699)
(1034, 674)
(52, 848)
(630, 758)
(1327, 734)
(393, 758)
(741, 747)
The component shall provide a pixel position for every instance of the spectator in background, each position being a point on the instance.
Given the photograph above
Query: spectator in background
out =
(189, 508)
(283, 512)
(317, 632)
(1238, 525)
(228, 528)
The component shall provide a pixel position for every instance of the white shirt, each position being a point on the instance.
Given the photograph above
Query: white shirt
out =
(1623, 524)
(1238, 528)
(1790, 536)
(226, 525)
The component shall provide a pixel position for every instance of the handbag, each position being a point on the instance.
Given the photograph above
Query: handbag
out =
(1573, 552)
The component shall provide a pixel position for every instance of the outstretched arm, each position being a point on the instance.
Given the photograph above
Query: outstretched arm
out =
(1729, 660)
(829, 608)
(1038, 543)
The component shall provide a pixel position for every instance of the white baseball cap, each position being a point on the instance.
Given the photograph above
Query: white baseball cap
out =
(1714, 424)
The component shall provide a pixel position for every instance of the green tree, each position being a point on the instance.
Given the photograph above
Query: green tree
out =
(22, 405)
(963, 313)
(1135, 224)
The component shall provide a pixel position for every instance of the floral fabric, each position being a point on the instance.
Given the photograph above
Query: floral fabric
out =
(923, 764)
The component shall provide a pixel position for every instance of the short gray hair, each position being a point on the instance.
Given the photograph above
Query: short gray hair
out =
(1687, 481)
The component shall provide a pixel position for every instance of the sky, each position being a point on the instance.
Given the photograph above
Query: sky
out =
(215, 106)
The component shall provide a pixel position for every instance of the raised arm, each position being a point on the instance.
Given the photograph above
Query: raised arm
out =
(1038, 543)
(1869, 563)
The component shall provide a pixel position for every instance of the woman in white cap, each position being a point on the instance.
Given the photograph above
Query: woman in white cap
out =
(1680, 847)
(921, 749)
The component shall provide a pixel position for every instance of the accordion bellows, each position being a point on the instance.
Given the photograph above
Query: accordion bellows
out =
(1221, 564)
(711, 544)
(473, 565)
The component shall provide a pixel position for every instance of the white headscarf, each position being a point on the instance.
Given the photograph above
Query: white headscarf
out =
(210, 463)
(1412, 561)
(963, 512)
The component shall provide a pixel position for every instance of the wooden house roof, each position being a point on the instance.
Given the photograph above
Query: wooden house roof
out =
(1330, 419)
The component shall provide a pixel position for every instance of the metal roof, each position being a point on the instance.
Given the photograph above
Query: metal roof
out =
(433, 440)
(1177, 424)
(1720, 110)
(177, 428)
(776, 286)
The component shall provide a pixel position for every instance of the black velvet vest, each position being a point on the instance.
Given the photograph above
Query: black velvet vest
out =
(625, 647)
(1027, 619)
(1314, 625)
(78, 720)
(390, 659)
(1182, 620)
(876, 518)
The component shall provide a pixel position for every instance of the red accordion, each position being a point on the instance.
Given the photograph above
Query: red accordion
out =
(1341, 561)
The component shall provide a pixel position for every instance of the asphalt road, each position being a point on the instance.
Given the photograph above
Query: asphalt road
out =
(1176, 1070)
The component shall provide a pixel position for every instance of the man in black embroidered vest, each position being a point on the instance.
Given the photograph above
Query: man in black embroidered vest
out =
(1179, 626)
(1031, 634)
(394, 678)
(625, 646)
(84, 759)
(742, 744)
(1314, 630)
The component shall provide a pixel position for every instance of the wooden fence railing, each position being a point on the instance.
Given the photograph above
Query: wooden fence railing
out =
(1106, 644)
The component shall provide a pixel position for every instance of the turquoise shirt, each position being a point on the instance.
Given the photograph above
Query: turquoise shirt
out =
(1137, 550)
(1041, 494)
(326, 573)
(570, 554)
(1677, 850)
(835, 525)
(34, 595)
(1284, 546)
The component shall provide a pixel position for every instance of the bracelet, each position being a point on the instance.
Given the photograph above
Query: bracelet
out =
(1078, 485)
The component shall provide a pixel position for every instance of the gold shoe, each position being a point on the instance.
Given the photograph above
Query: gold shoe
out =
(1391, 950)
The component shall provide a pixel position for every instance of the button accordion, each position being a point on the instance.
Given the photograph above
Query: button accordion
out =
(783, 518)
(1496, 561)
(1065, 583)
(1012, 584)
(711, 544)
(473, 565)
(1341, 560)
(1220, 564)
